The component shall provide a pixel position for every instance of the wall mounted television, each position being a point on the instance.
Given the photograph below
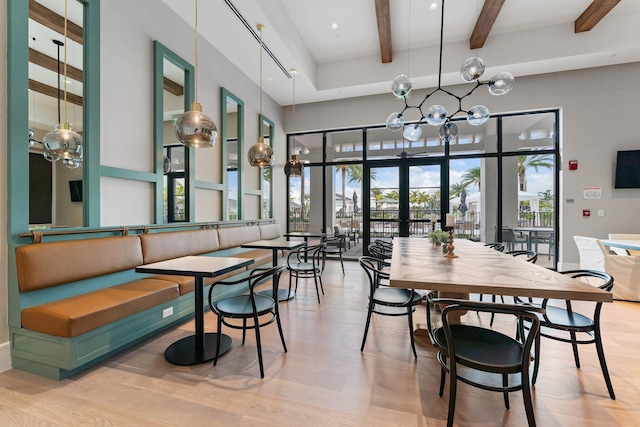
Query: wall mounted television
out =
(75, 188)
(628, 169)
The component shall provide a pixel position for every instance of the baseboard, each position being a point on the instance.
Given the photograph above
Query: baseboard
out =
(5, 356)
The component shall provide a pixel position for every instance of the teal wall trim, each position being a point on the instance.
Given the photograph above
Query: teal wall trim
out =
(210, 185)
(161, 52)
(121, 173)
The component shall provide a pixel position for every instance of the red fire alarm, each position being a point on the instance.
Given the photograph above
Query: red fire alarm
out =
(586, 213)
(573, 165)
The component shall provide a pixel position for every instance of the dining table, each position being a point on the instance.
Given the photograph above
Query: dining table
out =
(276, 245)
(306, 235)
(624, 244)
(416, 263)
(199, 347)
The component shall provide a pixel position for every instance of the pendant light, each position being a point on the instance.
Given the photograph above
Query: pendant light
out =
(63, 143)
(294, 167)
(260, 154)
(194, 128)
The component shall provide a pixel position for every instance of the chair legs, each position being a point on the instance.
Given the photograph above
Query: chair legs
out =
(366, 326)
(413, 343)
(603, 363)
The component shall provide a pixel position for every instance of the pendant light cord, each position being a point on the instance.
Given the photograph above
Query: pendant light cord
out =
(261, 27)
(293, 74)
(441, 41)
(65, 62)
(196, 44)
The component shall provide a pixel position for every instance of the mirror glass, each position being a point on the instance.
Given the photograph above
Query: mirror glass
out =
(55, 190)
(266, 173)
(174, 184)
(233, 117)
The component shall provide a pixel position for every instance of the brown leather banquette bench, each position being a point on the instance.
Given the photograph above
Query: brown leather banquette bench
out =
(81, 300)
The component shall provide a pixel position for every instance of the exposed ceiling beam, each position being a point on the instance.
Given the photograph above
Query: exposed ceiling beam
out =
(593, 14)
(45, 61)
(53, 92)
(173, 87)
(383, 16)
(52, 20)
(487, 18)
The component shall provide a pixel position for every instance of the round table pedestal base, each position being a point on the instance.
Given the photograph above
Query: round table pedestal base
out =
(183, 352)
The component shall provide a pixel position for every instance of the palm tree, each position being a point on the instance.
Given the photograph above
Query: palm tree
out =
(472, 177)
(378, 194)
(456, 189)
(343, 170)
(534, 161)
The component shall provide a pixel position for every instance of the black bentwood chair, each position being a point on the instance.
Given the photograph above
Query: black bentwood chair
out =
(566, 320)
(251, 307)
(306, 262)
(396, 298)
(498, 246)
(334, 247)
(464, 348)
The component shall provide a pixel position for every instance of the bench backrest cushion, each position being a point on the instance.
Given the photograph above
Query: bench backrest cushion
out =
(269, 231)
(41, 265)
(230, 237)
(162, 246)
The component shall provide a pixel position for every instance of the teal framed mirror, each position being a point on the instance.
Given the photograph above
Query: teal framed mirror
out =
(266, 127)
(33, 96)
(173, 89)
(232, 143)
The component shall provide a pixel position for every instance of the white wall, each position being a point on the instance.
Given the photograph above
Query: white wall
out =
(598, 118)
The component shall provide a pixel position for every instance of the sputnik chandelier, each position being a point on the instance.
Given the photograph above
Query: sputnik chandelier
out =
(437, 115)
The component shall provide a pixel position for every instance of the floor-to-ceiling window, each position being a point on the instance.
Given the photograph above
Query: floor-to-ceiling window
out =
(499, 180)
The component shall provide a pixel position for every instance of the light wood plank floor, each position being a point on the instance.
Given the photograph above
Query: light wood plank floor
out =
(324, 379)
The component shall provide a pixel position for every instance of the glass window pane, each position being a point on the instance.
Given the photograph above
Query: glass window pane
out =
(528, 132)
(475, 139)
(344, 146)
(308, 147)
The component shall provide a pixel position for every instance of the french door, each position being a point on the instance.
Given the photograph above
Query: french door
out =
(404, 196)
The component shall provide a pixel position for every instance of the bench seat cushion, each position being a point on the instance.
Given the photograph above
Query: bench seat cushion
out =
(76, 315)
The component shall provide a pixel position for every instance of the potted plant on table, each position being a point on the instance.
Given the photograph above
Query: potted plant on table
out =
(438, 237)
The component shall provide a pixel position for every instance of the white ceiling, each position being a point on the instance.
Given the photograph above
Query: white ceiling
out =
(529, 37)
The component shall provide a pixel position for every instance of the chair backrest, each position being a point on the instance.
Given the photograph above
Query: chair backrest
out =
(379, 252)
(335, 242)
(591, 253)
(498, 246)
(370, 266)
(449, 306)
(626, 271)
(312, 254)
(530, 255)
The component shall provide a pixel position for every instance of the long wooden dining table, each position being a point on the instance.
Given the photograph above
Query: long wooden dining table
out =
(417, 263)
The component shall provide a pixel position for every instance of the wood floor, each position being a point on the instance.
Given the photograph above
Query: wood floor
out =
(324, 379)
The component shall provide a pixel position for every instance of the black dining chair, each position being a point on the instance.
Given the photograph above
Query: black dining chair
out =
(334, 247)
(304, 263)
(395, 298)
(477, 348)
(560, 317)
(249, 307)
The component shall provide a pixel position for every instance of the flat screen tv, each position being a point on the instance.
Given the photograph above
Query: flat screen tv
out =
(75, 188)
(628, 169)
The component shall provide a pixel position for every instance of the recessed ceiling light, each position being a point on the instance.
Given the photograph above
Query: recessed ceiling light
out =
(434, 5)
(334, 25)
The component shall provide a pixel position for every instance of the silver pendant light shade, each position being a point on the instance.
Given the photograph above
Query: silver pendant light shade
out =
(294, 167)
(194, 128)
(63, 143)
(260, 154)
